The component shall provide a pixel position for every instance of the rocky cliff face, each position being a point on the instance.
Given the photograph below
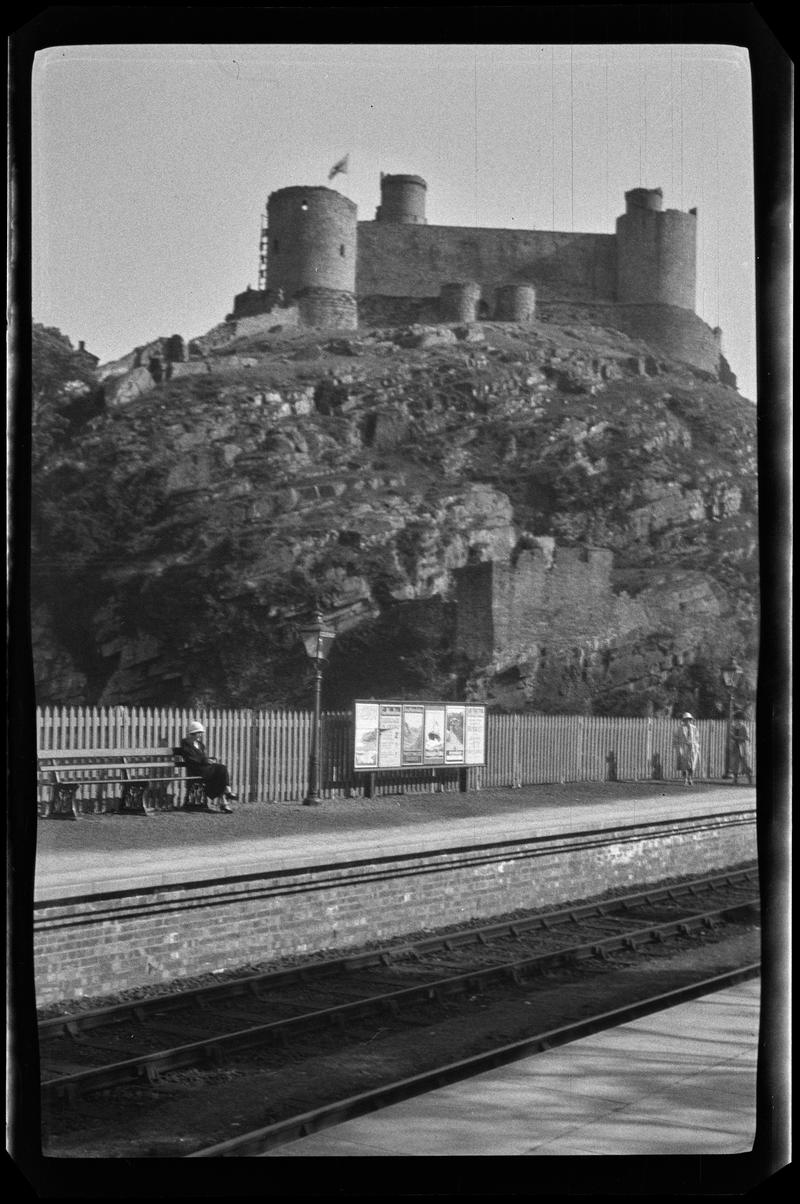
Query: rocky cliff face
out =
(548, 515)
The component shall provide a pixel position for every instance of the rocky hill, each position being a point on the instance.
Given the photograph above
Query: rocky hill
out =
(548, 515)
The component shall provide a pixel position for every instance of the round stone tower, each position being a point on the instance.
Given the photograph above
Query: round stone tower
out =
(656, 252)
(459, 302)
(515, 303)
(402, 200)
(311, 241)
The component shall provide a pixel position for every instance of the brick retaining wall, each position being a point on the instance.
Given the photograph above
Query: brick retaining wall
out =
(104, 943)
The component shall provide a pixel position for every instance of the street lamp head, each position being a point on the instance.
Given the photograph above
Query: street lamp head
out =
(732, 674)
(317, 638)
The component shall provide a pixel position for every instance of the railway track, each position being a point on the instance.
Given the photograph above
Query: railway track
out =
(260, 1141)
(284, 1011)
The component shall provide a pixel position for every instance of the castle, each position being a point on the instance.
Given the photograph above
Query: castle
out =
(320, 267)
(323, 269)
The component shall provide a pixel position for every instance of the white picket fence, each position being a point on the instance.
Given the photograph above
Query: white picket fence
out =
(267, 751)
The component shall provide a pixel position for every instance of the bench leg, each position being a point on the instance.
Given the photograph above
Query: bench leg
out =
(133, 799)
(196, 797)
(63, 803)
(100, 807)
(159, 799)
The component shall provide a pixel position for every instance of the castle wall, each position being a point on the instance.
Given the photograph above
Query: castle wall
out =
(678, 332)
(474, 635)
(403, 311)
(285, 316)
(551, 600)
(507, 611)
(414, 260)
(251, 301)
(555, 598)
(167, 350)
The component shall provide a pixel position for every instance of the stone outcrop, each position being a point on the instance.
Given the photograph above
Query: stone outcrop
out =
(539, 514)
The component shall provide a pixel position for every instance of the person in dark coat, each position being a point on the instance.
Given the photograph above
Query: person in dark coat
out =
(214, 774)
(739, 740)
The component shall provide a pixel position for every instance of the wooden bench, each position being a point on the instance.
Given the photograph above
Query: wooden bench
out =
(144, 775)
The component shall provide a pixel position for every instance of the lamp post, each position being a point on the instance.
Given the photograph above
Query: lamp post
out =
(317, 640)
(731, 674)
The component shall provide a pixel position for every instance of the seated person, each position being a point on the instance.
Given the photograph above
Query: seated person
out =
(198, 763)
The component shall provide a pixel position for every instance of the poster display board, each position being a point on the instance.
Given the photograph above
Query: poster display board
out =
(403, 735)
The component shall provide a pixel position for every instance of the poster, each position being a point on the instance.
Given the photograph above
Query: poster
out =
(367, 721)
(454, 735)
(389, 753)
(413, 722)
(475, 736)
(434, 735)
(409, 735)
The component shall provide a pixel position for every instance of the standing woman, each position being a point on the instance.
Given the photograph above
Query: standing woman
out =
(687, 746)
(740, 738)
(213, 772)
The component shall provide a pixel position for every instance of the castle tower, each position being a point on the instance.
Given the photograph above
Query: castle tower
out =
(515, 303)
(402, 200)
(311, 253)
(459, 302)
(311, 241)
(656, 251)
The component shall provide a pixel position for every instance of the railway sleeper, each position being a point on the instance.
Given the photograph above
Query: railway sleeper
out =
(151, 1073)
(213, 1054)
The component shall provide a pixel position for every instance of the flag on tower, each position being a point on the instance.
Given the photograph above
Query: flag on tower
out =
(341, 166)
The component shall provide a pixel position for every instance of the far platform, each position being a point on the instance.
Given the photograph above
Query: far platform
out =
(99, 853)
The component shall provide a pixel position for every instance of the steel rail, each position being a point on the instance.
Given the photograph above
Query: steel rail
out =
(73, 1023)
(259, 1141)
(148, 1066)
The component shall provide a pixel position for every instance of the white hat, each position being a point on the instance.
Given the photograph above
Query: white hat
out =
(195, 727)
(685, 715)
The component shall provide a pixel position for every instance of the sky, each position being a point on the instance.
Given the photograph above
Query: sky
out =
(151, 164)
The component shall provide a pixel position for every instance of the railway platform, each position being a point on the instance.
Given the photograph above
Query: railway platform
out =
(127, 902)
(100, 853)
(678, 1082)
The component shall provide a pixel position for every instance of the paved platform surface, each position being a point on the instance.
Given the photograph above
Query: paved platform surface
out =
(682, 1081)
(112, 852)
